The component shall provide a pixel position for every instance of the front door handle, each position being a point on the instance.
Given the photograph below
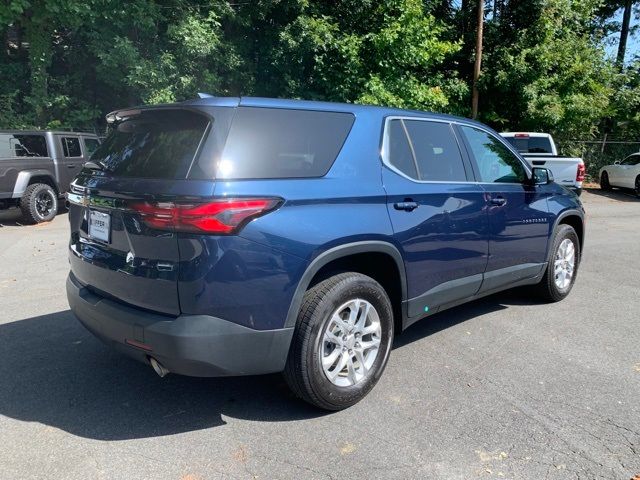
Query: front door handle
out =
(499, 201)
(71, 166)
(407, 206)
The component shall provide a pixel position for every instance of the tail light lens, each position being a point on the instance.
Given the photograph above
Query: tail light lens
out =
(224, 216)
(581, 173)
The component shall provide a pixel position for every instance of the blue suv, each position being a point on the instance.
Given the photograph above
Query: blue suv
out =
(241, 236)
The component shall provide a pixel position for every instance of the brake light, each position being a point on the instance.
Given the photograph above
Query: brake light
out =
(224, 216)
(581, 173)
(521, 135)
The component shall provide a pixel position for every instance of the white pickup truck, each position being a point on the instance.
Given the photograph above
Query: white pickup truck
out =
(539, 150)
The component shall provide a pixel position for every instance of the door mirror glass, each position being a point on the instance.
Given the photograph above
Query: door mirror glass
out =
(542, 176)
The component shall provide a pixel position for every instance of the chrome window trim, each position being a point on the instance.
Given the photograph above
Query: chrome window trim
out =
(384, 150)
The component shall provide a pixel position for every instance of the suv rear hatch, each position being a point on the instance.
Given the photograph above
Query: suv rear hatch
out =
(144, 161)
(150, 191)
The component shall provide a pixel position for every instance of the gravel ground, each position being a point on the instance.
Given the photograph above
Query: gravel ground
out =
(504, 387)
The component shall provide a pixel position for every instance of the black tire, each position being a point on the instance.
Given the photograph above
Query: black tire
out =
(547, 287)
(303, 372)
(604, 182)
(39, 203)
(637, 187)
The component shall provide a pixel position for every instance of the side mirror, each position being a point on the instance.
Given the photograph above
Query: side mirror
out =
(541, 176)
(617, 162)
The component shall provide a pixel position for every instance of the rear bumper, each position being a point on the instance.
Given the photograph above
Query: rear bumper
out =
(195, 345)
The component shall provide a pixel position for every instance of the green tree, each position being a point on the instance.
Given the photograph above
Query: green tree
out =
(549, 75)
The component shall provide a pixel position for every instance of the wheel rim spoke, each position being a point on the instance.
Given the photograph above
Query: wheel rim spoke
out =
(351, 371)
(330, 359)
(338, 368)
(373, 343)
(341, 324)
(354, 310)
(360, 358)
(332, 338)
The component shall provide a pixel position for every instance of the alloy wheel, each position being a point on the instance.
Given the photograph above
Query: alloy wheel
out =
(564, 264)
(44, 202)
(350, 343)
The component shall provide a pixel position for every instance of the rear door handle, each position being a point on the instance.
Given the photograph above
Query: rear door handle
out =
(71, 166)
(499, 201)
(406, 206)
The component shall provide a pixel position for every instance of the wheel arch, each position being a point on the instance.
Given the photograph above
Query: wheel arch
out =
(357, 257)
(29, 177)
(575, 219)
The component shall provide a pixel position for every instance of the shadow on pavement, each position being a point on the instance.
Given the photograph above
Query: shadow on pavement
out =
(12, 217)
(449, 318)
(620, 194)
(54, 372)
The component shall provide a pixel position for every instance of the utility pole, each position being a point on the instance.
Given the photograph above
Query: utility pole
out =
(478, 63)
(624, 33)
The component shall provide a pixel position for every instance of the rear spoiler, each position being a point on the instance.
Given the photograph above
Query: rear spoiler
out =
(120, 115)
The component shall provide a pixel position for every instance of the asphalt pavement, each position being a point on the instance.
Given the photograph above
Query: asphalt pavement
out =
(502, 388)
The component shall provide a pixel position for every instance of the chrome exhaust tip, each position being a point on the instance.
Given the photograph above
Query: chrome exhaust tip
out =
(158, 367)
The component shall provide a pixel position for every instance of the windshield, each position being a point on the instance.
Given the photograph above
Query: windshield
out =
(154, 144)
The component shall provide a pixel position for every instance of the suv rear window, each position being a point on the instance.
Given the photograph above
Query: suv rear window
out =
(281, 143)
(153, 144)
(19, 145)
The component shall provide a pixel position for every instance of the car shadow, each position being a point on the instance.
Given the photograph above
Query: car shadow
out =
(12, 217)
(453, 316)
(620, 194)
(52, 371)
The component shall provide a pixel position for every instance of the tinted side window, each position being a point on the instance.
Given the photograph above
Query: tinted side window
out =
(496, 163)
(71, 147)
(632, 160)
(90, 146)
(399, 150)
(18, 145)
(281, 143)
(437, 154)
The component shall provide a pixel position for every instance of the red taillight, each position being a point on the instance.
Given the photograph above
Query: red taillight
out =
(222, 216)
(581, 173)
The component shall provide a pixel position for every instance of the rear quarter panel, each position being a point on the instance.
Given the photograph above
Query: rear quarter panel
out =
(10, 169)
(251, 278)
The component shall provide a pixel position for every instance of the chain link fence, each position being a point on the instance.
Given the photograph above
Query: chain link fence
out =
(597, 154)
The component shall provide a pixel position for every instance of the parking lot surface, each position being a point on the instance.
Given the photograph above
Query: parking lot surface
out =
(505, 387)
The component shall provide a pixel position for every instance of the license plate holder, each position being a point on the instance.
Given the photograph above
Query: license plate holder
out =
(100, 225)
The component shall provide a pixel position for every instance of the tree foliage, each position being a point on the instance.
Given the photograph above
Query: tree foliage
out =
(67, 62)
